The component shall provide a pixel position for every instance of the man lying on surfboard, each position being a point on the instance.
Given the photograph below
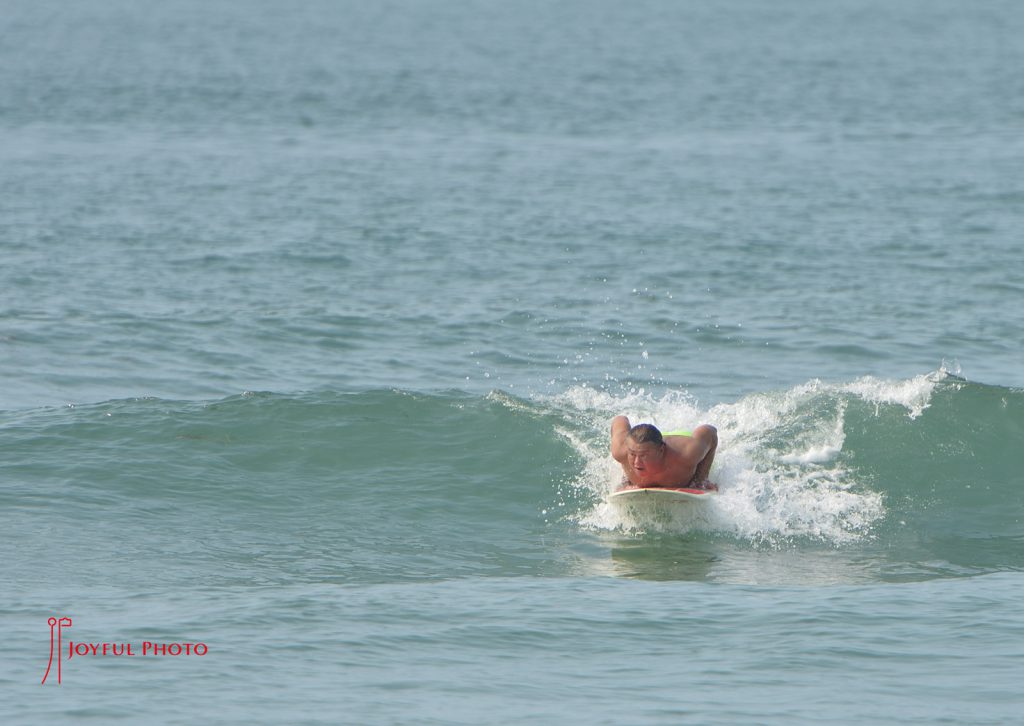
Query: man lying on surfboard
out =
(677, 459)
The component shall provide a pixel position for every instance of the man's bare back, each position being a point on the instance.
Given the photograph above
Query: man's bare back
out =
(651, 460)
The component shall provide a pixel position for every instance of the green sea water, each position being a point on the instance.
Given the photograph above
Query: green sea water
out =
(314, 317)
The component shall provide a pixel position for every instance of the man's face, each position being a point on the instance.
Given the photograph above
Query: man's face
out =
(644, 456)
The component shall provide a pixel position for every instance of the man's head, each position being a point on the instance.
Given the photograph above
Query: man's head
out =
(644, 446)
(646, 434)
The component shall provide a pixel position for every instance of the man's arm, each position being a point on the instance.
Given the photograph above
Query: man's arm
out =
(620, 427)
(707, 436)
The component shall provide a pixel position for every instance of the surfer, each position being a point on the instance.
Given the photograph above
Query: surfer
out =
(675, 459)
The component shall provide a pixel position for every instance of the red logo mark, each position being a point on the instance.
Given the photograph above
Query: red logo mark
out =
(58, 624)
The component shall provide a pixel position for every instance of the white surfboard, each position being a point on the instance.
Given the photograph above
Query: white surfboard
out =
(660, 494)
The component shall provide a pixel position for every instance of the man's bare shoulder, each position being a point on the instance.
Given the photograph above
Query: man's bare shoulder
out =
(681, 444)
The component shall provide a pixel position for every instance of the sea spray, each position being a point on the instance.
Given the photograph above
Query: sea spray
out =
(780, 463)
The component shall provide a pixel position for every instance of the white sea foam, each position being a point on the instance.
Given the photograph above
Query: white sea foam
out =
(913, 394)
(779, 464)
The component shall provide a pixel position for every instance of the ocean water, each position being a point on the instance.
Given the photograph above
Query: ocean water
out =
(314, 316)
